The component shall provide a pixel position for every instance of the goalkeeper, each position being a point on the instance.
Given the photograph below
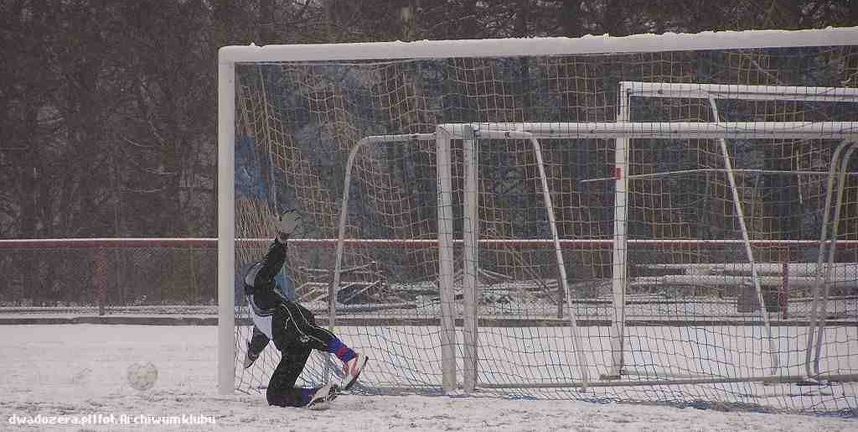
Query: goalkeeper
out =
(292, 328)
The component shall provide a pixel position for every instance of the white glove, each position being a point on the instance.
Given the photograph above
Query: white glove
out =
(286, 224)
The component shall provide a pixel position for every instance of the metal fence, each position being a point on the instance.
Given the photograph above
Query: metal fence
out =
(107, 273)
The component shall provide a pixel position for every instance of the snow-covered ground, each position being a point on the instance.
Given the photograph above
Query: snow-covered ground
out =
(76, 373)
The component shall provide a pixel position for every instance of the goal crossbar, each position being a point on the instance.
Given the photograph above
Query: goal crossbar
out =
(836, 130)
(738, 91)
(538, 46)
(657, 130)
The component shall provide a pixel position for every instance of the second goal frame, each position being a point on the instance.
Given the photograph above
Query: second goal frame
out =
(622, 132)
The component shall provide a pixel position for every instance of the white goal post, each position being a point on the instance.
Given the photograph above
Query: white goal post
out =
(457, 145)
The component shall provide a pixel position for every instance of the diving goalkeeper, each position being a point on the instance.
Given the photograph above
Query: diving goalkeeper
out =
(292, 328)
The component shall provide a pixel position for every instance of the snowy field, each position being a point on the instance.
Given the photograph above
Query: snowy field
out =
(76, 373)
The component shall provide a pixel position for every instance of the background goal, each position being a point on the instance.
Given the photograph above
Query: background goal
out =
(664, 219)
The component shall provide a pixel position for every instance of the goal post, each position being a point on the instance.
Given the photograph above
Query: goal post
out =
(226, 227)
(621, 219)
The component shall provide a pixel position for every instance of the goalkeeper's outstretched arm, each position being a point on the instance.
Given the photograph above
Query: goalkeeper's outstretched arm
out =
(262, 273)
(274, 259)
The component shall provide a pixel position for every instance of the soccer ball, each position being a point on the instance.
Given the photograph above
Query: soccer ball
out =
(142, 375)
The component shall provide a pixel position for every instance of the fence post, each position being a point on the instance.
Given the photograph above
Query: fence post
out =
(99, 279)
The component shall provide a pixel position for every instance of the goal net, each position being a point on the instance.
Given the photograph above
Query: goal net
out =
(662, 219)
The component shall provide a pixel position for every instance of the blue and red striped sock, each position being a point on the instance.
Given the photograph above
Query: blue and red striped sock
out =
(306, 395)
(339, 349)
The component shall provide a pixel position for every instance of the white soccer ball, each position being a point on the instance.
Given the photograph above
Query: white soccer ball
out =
(142, 375)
